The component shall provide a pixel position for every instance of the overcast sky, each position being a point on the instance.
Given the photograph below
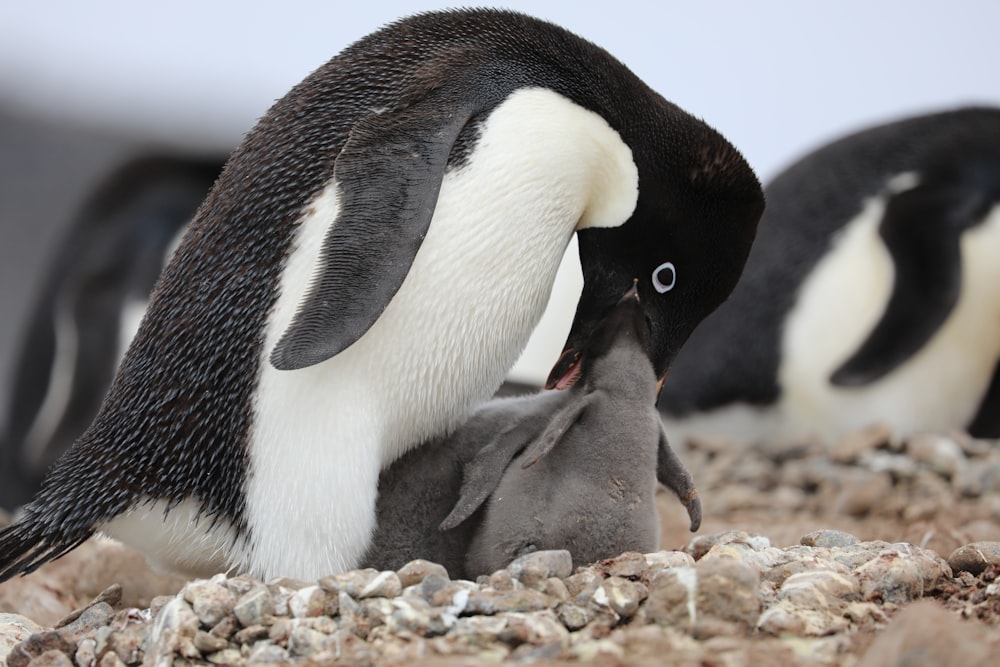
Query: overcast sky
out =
(776, 78)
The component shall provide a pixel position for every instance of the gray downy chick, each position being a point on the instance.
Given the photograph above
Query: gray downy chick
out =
(610, 412)
(419, 490)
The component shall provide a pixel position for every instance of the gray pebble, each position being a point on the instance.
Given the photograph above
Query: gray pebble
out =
(620, 595)
(51, 659)
(210, 601)
(535, 568)
(415, 571)
(850, 448)
(630, 565)
(899, 575)
(940, 453)
(254, 606)
(828, 539)
(208, 643)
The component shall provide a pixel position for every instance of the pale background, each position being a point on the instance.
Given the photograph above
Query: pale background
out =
(83, 84)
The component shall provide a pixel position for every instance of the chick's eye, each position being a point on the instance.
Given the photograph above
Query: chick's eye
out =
(664, 277)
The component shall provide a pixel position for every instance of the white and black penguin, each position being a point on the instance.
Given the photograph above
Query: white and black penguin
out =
(368, 266)
(91, 299)
(871, 295)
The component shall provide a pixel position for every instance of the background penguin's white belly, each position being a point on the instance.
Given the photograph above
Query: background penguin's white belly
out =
(839, 304)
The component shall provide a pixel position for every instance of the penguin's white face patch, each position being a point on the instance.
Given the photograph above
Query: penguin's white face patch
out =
(546, 129)
(664, 277)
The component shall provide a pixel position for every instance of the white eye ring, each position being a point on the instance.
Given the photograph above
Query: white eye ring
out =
(658, 284)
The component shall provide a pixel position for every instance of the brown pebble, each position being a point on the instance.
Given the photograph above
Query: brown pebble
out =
(51, 659)
(850, 448)
(926, 635)
(975, 557)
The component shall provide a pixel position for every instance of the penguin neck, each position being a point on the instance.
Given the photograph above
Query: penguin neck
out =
(476, 289)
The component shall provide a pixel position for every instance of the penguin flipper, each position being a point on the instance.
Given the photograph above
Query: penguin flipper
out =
(672, 474)
(483, 473)
(921, 229)
(389, 173)
(560, 423)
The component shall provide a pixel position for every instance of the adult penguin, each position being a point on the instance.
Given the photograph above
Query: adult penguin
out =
(366, 269)
(92, 296)
(871, 295)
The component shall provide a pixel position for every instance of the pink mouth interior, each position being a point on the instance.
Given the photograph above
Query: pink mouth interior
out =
(571, 375)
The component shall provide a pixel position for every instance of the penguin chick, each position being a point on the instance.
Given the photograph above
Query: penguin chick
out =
(367, 269)
(586, 482)
(871, 295)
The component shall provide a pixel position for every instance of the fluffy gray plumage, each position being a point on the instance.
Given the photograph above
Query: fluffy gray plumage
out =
(557, 470)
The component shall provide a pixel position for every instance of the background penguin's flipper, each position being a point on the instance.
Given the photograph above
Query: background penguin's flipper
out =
(921, 229)
(389, 173)
(986, 423)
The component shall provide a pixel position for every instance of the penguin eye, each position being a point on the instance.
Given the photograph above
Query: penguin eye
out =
(664, 277)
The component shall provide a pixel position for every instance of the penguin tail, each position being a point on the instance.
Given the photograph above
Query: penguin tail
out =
(27, 545)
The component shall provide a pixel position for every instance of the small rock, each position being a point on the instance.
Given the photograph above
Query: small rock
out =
(229, 656)
(210, 601)
(786, 617)
(254, 606)
(573, 616)
(899, 575)
(250, 634)
(385, 585)
(354, 583)
(304, 642)
(14, 629)
(111, 659)
(621, 595)
(925, 635)
(940, 453)
(897, 466)
(86, 652)
(661, 560)
(535, 568)
(37, 644)
(702, 544)
(729, 590)
(307, 602)
(496, 602)
(208, 643)
(502, 580)
(51, 659)
(581, 586)
(828, 539)
(850, 448)
(128, 643)
(173, 631)
(861, 491)
(823, 590)
(263, 654)
(630, 565)
(974, 558)
(417, 617)
(415, 571)
(556, 589)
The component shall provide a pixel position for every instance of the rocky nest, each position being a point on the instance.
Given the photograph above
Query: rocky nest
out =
(872, 551)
